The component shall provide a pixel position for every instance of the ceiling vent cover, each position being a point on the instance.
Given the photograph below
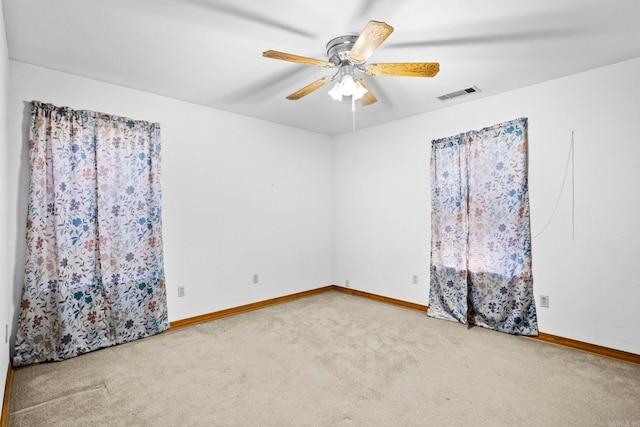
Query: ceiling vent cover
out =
(459, 93)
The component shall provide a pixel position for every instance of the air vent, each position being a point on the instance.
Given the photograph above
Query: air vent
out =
(458, 93)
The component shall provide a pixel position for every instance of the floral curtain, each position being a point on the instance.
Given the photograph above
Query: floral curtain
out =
(94, 274)
(480, 230)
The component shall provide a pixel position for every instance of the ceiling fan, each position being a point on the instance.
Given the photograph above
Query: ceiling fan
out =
(348, 55)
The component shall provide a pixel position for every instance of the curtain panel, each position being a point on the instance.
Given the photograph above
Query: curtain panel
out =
(94, 273)
(480, 230)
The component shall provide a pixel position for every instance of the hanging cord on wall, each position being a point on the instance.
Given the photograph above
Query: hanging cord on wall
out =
(570, 161)
(573, 193)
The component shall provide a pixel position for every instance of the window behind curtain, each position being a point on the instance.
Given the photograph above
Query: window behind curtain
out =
(94, 273)
(480, 230)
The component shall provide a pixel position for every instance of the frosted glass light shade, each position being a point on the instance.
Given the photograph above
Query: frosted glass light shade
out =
(347, 87)
(335, 92)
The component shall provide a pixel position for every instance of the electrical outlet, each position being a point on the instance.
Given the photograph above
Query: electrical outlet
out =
(180, 291)
(415, 279)
(544, 301)
(255, 279)
(346, 283)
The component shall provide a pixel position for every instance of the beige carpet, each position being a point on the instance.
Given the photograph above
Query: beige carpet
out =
(329, 360)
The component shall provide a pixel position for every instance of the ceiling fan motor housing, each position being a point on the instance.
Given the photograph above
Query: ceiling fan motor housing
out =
(338, 49)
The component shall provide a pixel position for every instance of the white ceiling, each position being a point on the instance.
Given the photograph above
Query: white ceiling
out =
(209, 52)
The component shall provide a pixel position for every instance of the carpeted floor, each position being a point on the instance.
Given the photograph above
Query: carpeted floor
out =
(329, 360)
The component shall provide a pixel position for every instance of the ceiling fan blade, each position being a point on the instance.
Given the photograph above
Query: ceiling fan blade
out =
(309, 88)
(274, 54)
(368, 98)
(371, 37)
(408, 69)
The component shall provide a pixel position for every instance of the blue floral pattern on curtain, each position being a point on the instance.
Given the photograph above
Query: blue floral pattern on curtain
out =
(94, 274)
(480, 230)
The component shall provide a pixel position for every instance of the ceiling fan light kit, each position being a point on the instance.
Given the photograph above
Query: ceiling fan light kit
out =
(349, 54)
(347, 86)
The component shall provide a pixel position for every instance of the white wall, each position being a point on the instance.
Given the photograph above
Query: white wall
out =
(5, 208)
(383, 202)
(240, 196)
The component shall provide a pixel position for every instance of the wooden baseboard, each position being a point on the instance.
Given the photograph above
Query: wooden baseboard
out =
(244, 308)
(387, 300)
(182, 323)
(6, 401)
(598, 350)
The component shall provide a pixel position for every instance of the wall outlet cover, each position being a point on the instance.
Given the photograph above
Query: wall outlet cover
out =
(544, 301)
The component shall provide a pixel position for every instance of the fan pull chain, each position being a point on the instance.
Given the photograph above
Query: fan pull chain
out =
(353, 113)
